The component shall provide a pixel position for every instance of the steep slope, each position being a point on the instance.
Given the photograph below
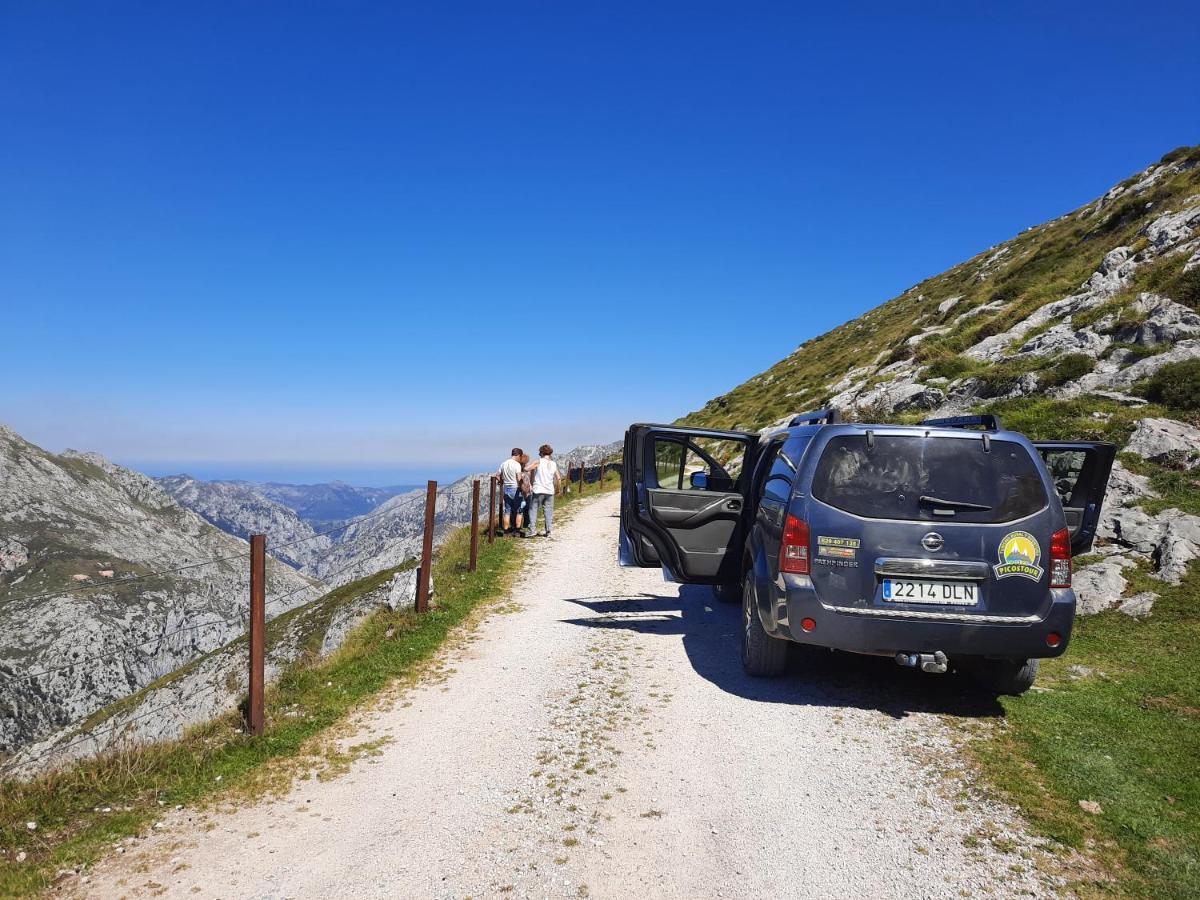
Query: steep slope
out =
(238, 508)
(392, 533)
(1077, 304)
(80, 542)
(1087, 327)
(213, 683)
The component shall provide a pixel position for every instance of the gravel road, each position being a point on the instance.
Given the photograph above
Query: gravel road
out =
(602, 741)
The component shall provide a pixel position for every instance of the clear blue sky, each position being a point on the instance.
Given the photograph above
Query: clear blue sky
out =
(389, 239)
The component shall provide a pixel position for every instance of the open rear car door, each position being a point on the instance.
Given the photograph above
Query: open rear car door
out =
(682, 500)
(1079, 470)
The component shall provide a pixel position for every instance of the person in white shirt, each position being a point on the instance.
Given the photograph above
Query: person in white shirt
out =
(510, 480)
(546, 484)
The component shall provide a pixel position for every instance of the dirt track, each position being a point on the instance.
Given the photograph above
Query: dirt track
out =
(604, 742)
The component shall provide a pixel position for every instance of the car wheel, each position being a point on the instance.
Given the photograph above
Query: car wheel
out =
(1005, 676)
(763, 656)
(727, 593)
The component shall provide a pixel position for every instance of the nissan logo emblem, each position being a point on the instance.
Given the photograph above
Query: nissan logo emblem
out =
(932, 541)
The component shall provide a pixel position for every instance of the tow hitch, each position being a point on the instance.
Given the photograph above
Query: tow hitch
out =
(935, 662)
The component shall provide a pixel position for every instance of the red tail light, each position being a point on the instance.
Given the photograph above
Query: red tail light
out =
(1060, 559)
(793, 554)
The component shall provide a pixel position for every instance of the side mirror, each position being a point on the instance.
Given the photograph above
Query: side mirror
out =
(700, 481)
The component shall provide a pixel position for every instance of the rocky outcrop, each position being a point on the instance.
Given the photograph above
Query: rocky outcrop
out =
(1167, 442)
(1164, 322)
(82, 540)
(203, 689)
(1099, 586)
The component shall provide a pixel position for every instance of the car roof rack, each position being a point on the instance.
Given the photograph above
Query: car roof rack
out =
(828, 416)
(989, 421)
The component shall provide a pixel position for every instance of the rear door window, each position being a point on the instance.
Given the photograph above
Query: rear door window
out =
(929, 478)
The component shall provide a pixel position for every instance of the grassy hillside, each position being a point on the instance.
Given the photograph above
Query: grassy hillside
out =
(1001, 286)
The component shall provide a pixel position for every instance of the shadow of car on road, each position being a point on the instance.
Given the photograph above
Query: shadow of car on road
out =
(815, 677)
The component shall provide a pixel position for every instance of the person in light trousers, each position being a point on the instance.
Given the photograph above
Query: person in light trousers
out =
(546, 484)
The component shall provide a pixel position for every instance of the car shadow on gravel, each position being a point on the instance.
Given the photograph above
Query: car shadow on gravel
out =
(814, 677)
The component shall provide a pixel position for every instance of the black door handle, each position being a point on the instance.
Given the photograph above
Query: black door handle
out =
(733, 504)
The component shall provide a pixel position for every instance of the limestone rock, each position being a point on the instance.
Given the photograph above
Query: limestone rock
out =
(402, 592)
(1126, 487)
(1099, 587)
(13, 555)
(1167, 442)
(1166, 322)
(1138, 606)
(1066, 339)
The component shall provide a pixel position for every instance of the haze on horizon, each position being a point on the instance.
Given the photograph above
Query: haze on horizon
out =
(388, 243)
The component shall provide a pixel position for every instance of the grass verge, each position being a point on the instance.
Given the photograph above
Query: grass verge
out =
(1123, 732)
(217, 760)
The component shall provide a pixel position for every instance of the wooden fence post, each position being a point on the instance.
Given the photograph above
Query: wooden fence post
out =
(474, 526)
(426, 549)
(258, 628)
(582, 473)
(492, 512)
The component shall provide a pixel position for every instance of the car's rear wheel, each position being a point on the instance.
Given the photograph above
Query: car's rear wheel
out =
(1005, 676)
(763, 656)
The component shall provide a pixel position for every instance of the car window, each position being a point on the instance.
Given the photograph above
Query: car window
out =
(703, 465)
(929, 478)
(668, 459)
(1065, 467)
(765, 462)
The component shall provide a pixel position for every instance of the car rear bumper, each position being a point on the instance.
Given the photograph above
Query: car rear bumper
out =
(888, 631)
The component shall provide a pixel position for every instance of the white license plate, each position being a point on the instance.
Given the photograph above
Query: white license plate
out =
(953, 593)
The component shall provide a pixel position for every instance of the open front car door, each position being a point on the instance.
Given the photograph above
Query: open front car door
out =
(1079, 470)
(682, 500)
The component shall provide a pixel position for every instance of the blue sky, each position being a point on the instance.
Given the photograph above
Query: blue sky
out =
(387, 240)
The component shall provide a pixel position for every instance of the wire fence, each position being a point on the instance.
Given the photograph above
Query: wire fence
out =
(578, 478)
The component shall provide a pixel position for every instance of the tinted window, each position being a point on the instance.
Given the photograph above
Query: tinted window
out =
(890, 479)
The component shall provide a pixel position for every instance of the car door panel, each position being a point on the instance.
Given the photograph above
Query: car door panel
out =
(687, 530)
(1079, 471)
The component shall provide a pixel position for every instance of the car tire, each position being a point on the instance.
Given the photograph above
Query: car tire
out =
(727, 593)
(1005, 676)
(763, 656)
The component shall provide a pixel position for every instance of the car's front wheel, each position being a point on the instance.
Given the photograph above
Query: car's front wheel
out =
(727, 593)
(1005, 676)
(763, 656)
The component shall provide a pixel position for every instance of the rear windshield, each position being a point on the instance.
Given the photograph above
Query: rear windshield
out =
(929, 478)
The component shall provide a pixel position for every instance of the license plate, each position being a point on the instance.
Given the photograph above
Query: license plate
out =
(953, 593)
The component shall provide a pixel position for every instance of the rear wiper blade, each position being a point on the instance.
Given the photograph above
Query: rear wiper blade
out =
(952, 504)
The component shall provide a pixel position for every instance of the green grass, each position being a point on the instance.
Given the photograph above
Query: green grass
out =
(1178, 489)
(317, 695)
(1126, 736)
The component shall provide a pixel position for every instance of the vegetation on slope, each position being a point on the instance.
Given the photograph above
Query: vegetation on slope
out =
(1000, 287)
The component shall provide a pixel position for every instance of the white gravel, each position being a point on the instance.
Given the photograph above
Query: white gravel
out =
(604, 742)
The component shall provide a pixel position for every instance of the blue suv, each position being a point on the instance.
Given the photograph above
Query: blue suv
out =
(946, 544)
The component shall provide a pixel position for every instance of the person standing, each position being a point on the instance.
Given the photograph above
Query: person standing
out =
(510, 483)
(546, 483)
